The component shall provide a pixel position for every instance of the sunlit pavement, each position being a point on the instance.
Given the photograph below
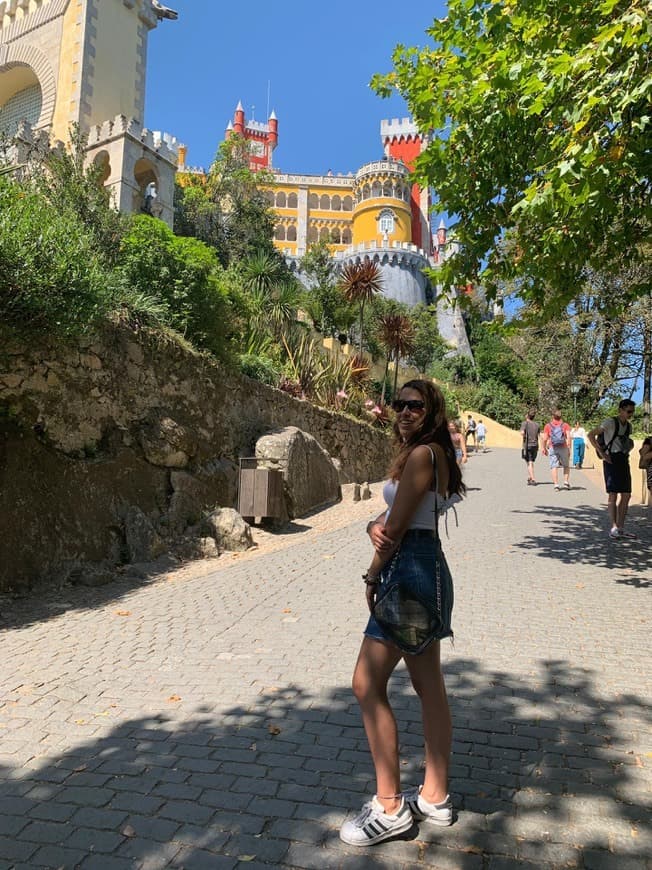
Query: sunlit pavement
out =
(207, 720)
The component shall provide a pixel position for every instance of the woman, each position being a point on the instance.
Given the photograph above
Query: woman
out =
(405, 535)
(459, 443)
(578, 441)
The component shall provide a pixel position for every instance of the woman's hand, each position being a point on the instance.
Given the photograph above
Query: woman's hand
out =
(379, 537)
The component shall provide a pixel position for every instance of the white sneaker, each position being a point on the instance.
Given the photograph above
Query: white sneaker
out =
(437, 814)
(374, 825)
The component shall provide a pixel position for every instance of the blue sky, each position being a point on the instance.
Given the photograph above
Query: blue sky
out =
(319, 59)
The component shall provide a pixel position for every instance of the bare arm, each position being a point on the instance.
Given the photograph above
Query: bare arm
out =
(593, 435)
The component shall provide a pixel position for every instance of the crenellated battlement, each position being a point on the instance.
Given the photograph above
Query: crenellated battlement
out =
(398, 127)
(164, 144)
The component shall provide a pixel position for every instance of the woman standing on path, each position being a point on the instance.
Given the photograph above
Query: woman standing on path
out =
(424, 474)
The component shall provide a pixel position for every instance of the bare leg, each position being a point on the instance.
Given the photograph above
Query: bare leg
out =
(566, 473)
(553, 472)
(428, 682)
(621, 509)
(611, 507)
(375, 664)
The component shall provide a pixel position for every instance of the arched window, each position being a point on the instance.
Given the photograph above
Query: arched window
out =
(279, 233)
(292, 233)
(313, 235)
(292, 200)
(346, 236)
(270, 199)
(281, 200)
(325, 201)
(366, 192)
(336, 236)
(386, 222)
(23, 105)
(376, 190)
(324, 234)
(313, 201)
(336, 203)
(347, 203)
(387, 188)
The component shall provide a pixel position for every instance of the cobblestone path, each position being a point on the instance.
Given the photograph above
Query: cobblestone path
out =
(204, 719)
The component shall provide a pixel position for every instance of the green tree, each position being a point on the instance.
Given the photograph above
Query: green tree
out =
(324, 302)
(274, 293)
(360, 282)
(429, 346)
(69, 184)
(541, 119)
(184, 275)
(229, 209)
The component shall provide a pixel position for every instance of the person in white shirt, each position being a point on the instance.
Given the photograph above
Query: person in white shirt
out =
(481, 435)
(612, 442)
(578, 443)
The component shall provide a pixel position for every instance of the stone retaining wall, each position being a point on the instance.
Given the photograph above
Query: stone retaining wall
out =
(129, 419)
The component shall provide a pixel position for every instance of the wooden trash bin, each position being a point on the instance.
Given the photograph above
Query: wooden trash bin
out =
(260, 491)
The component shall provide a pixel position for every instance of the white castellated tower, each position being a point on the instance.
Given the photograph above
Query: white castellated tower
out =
(83, 62)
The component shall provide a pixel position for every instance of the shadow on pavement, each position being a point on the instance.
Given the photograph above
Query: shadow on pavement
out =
(579, 534)
(544, 771)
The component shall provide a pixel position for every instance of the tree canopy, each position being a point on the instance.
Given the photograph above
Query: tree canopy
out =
(539, 115)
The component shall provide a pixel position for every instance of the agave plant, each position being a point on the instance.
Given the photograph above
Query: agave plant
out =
(359, 282)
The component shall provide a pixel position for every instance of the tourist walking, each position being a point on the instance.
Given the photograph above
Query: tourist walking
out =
(578, 443)
(470, 432)
(481, 434)
(556, 445)
(459, 442)
(408, 556)
(613, 444)
(645, 462)
(530, 434)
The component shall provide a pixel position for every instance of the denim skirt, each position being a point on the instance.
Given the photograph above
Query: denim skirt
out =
(415, 566)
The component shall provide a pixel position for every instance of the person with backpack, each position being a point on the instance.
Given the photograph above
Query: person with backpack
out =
(470, 433)
(613, 444)
(556, 446)
(530, 430)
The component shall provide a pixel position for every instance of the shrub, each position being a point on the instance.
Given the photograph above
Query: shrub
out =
(52, 277)
(260, 368)
(184, 275)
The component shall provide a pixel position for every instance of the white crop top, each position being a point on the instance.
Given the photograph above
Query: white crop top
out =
(424, 517)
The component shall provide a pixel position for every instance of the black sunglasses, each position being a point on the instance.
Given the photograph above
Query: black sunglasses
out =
(399, 405)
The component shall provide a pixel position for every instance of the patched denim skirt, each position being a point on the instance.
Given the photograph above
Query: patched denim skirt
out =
(415, 565)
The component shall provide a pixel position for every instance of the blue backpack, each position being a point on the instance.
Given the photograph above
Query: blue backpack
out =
(557, 436)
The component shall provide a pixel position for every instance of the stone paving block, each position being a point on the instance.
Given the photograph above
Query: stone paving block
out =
(197, 859)
(137, 803)
(16, 850)
(450, 859)
(11, 825)
(104, 819)
(263, 848)
(602, 860)
(186, 811)
(86, 797)
(297, 830)
(147, 854)
(45, 832)
(106, 862)
(57, 856)
(92, 840)
(151, 828)
(222, 798)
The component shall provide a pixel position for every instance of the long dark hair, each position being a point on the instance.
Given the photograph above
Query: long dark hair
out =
(433, 430)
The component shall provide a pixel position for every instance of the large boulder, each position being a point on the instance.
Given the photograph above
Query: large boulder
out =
(194, 493)
(164, 441)
(310, 478)
(228, 528)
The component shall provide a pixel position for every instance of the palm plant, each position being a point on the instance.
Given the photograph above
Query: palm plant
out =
(397, 337)
(359, 282)
(274, 294)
